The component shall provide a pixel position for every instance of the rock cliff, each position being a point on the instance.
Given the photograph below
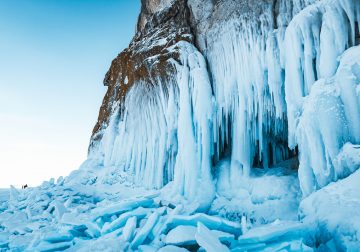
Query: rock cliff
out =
(248, 65)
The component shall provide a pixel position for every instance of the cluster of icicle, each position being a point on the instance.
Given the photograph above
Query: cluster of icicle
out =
(165, 131)
(261, 77)
(261, 81)
(246, 65)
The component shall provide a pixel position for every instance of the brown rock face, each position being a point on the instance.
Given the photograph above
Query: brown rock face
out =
(147, 57)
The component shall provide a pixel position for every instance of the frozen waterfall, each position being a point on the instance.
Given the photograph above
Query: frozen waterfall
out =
(253, 94)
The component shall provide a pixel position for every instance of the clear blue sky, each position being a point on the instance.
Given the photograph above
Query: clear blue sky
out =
(53, 57)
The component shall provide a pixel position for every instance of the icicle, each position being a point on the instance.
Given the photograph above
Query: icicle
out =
(141, 141)
(246, 64)
(193, 164)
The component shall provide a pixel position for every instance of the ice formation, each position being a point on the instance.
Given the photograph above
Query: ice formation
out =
(160, 151)
(334, 211)
(320, 113)
(329, 120)
(261, 79)
(233, 124)
(251, 109)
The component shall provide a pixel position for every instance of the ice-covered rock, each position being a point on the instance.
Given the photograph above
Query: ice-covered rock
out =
(268, 195)
(316, 37)
(334, 210)
(327, 123)
(239, 90)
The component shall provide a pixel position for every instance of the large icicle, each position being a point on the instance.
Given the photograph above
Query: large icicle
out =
(193, 163)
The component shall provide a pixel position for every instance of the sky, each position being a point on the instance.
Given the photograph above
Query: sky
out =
(53, 58)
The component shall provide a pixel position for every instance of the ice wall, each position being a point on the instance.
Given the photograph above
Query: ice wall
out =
(165, 130)
(141, 140)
